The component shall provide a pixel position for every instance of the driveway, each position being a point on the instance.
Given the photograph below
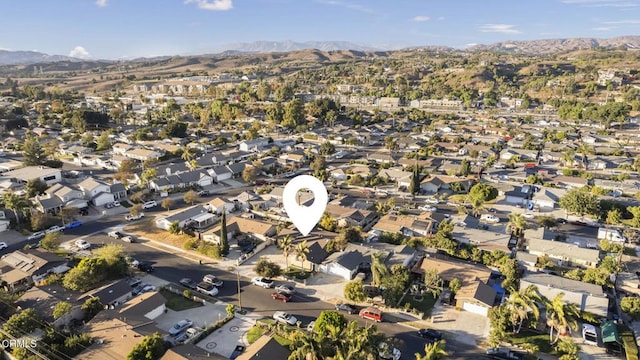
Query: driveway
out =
(467, 327)
(202, 316)
(224, 340)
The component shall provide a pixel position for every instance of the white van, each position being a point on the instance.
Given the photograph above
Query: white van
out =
(589, 334)
(490, 218)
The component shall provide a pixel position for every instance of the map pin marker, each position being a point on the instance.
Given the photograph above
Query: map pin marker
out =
(305, 217)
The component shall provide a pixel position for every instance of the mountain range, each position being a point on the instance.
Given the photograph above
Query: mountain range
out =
(540, 47)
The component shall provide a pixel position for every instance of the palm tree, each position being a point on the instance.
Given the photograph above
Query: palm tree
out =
(477, 205)
(523, 302)
(433, 351)
(192, 164)
(286, 245)
(517, 224)
(584, 150)
(561, 316)
(16, 203)
(567, 158)
(301, 252)
(187, 154)
(378, 269)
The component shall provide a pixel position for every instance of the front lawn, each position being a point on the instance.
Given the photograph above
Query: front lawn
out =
(423, 303)
(255, 333)
(541, 340)
(297, 273)
(177, 302)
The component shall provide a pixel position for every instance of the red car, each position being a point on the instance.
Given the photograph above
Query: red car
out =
(281, 296)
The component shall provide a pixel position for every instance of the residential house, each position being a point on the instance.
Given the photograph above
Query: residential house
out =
(236, 169)
(44, 298)
(564, 254)
(547, 198)
(295, 158)
(445, 147)
(22, 268)
(338, 174)
(400, 177)
(219, 205)
(145, 307)
(468, 230)
(96, 191)
(112, 294)
(519, 196)
(346, 264)
(142, 154)
(45, 174)
(587, 297)
(266, 347)
(381, 157)
(475, 295)
(346, 216)
(220, 173)
(237, 226)
(246, 200)
(437, 183)
(254, 145)
(408, 225)
(196, 216)
(569, 182)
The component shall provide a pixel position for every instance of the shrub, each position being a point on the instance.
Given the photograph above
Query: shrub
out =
(187, 294)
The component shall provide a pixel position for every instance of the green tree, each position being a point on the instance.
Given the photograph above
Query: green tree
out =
(293, 114)
(224, 241)
(51, 241)
(35, 187)
(517, 224)
(568, 348)
(521, 304)
(414, 185)
(631, 306)
(151, 348)
(433, 351)
(174, 227)
(21, 323)
(483, 192)
(354, 291)
(284, 93)
(267, 268)
(328, 222)
(61, 308)
(578, 201)
(635, 212)
(301, 250)
(103, 142)
(465, 168)
(378, 268)
(91, 307)
(136, 209)
(455, 285)
(249, 174)
(329, 318)
(614, 216)
(560, 316)
(263, 91)
(148, 175)
(32, 152)
(286, 245)
(327, 148)
(18, 204)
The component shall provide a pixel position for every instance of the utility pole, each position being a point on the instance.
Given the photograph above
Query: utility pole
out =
(239, 289)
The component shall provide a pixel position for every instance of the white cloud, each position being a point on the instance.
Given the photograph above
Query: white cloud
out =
(101, 3)
(346, 4)
(213, 5)
(421, 18)
(499, 28)
(440, 18)
(603, 3)
(602, 29)
(79, 52)
(622, 22)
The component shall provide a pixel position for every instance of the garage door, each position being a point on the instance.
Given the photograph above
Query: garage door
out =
(476, 309)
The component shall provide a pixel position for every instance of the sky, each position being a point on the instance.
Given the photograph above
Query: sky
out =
(120, 29)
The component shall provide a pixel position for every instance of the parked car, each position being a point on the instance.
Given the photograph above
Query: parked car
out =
(388, 352)
(285, 318)
(371, 313)
(186, 335)
(115, 234)
(261, 281)
(561, 220)
(504, 353)
(54, 228)
(430, 334)
(129, 239)
(528, 216)
(145, 266)
(132, 217)
(109, 206)
(349, 309)
(281, 296)
(428, 208)
(489, 218)
(134, 281)
(142, 288)
(204, 193)
(73, 224)
(116, 203)
(431, 200)
(207, 288)
(286, 289)
(3, 245)
(149, 204)
(188, 283)
(82, 244)
(83, 212)
(36, 236)
(212, 279)
(180, 326)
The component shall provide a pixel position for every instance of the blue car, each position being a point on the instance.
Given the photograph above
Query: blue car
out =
(73, 225)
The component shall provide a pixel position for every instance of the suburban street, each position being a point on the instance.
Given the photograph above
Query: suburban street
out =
(171, 267)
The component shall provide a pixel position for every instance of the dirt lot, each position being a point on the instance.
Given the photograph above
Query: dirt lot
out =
(147, 229)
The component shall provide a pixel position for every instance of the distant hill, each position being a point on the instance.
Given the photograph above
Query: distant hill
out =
(29, 57)
(554, 46)
(286, 46)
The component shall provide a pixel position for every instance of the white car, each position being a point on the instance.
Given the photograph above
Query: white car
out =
(132, 217)
(3, 245)
(263, 282)
(431, 200)
(285, 318)
(388, 352)
(149, 204)
(528, 216)
(54, 228)
(180, 326)
(428, 208)
(489, 218)
(82, 244)
(129, 239)
(36, 236)
(286, 289)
